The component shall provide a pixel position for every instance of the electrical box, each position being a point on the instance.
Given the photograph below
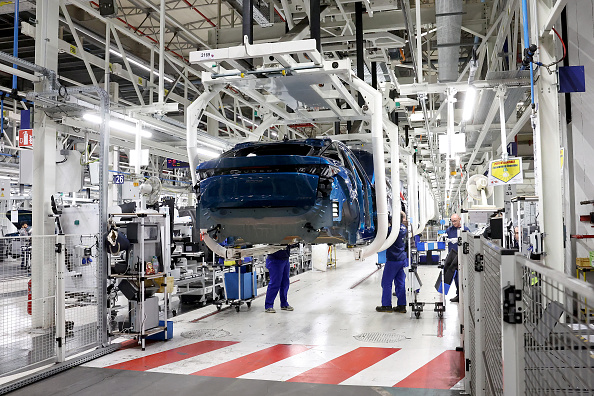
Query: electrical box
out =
(114, 91)
(69, 171)
(131, 190)
(94, 173)
(26, 167)
(4, 188)
(83, 219)
(108, 8)
(151, 314)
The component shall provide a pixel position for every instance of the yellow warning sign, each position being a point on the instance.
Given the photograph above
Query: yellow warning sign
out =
(73, 50)
(506, 172)
(2, 195)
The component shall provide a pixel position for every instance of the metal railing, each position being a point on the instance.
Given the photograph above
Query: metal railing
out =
(472, 296)
(492, 354)
(528, 329)
(49, 306)
(558, 331)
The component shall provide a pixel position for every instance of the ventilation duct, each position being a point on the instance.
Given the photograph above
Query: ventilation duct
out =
(448, 17)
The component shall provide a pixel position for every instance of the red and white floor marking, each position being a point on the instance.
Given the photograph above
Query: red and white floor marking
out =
(370, 366)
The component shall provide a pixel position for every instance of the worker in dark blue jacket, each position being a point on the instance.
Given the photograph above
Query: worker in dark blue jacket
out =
(279, 270)
(452, 233)
(394, 273)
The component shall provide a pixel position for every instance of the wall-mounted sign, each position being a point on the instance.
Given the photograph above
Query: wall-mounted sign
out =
(173, 163)
(118, 179)
(25, 137)
(506, 172)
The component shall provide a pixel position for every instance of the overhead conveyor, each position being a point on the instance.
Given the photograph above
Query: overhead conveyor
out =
(294, 84)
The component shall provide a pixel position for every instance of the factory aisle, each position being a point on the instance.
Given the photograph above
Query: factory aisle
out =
(334, 337)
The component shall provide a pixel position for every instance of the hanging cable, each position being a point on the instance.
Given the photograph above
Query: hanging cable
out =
(560, 60)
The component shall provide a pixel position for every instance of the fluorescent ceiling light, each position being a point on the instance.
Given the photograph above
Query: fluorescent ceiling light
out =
(120, 126)
(136, 63)
(469, 102)
(217, 146)
(207, 153)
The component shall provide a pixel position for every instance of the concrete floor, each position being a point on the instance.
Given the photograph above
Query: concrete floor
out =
(333, 343)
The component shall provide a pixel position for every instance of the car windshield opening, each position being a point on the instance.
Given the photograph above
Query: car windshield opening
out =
(272, 149)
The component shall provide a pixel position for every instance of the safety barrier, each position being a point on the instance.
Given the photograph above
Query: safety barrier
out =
(558, 331)
(528, 329)
(48, 289)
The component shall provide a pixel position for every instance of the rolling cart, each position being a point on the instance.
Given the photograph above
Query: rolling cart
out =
(240, 286)
(415, 282)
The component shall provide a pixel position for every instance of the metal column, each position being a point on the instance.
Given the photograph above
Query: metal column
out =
(247, 21)
(314, 22)
(359, 45)
(547, 147)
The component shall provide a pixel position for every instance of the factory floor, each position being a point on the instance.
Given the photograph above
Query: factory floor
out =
(333, 343)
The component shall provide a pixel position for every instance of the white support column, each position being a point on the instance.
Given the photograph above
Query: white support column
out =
(44, 169)
(547, 144)
(419, 43)
(451, 92)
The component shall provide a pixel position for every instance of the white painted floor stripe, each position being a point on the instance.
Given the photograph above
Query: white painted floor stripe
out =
(394, 368)
(298, 364)
(210, 359)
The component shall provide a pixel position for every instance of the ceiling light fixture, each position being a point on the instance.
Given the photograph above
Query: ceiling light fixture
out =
(120, 126)
(207, 153)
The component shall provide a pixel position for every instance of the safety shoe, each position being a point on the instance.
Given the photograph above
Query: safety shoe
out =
(270, 310)
(383, 308)
(400, 308)
(455, 299)
(287, 308)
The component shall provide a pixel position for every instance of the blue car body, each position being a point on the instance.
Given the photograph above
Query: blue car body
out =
(312, 190)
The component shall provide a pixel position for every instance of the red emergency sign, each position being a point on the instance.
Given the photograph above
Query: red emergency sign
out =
(25, 137)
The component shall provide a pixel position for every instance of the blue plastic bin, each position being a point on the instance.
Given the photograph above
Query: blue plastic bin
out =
(425, 246)
(160, 336)
(248, 285)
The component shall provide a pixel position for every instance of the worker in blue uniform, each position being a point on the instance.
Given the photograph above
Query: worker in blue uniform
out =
(396, 261)
(279, 270)
(452, 233)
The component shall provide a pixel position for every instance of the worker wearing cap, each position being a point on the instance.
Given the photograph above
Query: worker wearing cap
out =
(452, 233)
(396, 261)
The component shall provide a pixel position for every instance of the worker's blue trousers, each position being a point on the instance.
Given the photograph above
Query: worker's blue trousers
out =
(394, 273)
(279, 281)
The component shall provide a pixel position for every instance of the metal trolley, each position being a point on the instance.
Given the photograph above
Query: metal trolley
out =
(415, 283)
(240, 285)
